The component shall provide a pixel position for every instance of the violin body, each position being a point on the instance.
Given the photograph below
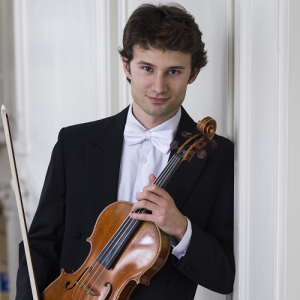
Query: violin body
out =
(144, 254)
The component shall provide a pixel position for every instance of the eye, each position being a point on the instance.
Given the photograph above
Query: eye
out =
(147, 69)
(174, 72)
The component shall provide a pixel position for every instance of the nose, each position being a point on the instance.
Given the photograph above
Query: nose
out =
(159, 84)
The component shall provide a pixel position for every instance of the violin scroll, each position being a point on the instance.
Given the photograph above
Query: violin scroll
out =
(207, 127)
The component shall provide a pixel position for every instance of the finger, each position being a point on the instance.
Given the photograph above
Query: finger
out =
(151, 197)
(145, 217)
(151, 178)
(156, 190)
(154, 208)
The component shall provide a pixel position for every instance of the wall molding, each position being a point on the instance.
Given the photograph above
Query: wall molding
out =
(123, 83)
(275, 28)
(22, 112)
(230, 96)
(242, 46)
(103, 58)
(282, 150)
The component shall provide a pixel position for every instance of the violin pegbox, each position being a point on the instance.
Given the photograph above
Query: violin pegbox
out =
(207, 128)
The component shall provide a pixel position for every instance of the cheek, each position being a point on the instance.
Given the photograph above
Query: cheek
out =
(140, 83)
(178, 88)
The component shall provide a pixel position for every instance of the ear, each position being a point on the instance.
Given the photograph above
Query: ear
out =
(194, 75)
(126, 67)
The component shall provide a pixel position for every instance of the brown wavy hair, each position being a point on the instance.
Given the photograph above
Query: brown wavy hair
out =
(164, 27)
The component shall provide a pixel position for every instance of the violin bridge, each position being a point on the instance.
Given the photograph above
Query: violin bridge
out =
(86, 288)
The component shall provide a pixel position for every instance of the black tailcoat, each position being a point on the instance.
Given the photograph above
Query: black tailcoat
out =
(82, 179)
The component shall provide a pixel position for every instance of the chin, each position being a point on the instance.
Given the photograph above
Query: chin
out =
(158, 111)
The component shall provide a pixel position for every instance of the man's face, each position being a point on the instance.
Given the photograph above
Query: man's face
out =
(159, 81)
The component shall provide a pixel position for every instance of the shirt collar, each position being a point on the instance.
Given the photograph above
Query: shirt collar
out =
(170, 124)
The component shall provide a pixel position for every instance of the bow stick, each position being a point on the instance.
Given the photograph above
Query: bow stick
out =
(13, 167)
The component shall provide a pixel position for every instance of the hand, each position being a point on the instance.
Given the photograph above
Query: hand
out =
(165, 214)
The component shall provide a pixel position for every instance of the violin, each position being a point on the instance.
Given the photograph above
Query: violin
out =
(126, 252)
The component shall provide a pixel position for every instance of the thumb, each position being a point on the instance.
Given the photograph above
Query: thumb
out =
(151, 178)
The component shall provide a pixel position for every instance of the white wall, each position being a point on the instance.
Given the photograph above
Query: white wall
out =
(293, 178)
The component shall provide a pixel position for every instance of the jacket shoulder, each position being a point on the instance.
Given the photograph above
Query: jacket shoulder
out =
(224, 144)
(93, 130)
(87, 129)
(223, 155)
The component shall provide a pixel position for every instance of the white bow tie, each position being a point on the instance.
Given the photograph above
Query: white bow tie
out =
(133, 134)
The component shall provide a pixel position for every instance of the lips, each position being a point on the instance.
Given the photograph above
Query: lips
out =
(157, 100)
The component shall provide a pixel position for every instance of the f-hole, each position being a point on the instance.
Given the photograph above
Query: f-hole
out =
(68, 283)
(110, 290)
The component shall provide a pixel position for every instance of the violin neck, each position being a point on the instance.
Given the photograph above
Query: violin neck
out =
(168, 171)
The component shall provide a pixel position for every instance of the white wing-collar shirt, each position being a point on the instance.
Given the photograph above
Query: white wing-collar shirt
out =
(142, 159)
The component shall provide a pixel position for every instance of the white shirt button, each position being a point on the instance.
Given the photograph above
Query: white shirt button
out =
(144, 160)
(182, 253)
(137, 192)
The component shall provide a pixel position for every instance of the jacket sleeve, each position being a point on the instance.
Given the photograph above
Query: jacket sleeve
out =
(209, 259)
(47, 229)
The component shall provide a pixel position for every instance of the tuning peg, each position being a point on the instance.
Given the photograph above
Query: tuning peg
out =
(212, 144)
(201, 153)
(186, 134)
(174, 145)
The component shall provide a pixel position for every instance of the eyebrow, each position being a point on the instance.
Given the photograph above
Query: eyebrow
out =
(150, 65)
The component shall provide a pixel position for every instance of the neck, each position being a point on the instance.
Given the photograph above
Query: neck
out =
(149, 121)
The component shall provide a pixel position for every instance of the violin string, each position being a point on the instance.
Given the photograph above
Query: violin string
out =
(163, 179)
(132, 222)
(160, 179)
(124, 224)
(165, 170)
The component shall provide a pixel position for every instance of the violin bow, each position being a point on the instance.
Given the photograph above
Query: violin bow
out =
(13, 167)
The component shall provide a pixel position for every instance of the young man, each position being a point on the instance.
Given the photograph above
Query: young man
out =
(118, 158)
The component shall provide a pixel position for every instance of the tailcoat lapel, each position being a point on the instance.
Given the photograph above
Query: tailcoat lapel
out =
(185, 177)
(103, 157)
